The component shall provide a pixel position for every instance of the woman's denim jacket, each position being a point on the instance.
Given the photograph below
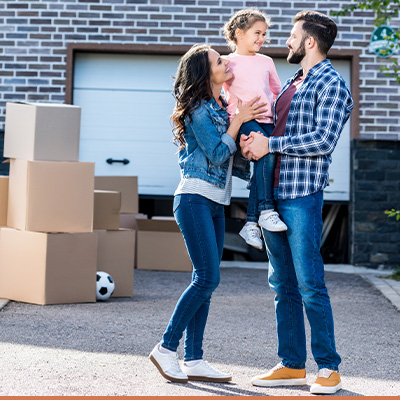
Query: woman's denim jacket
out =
(208, 147)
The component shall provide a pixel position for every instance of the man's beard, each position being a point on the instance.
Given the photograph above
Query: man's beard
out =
(297, 57)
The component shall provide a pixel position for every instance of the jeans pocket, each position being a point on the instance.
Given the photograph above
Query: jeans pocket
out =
(177, 201)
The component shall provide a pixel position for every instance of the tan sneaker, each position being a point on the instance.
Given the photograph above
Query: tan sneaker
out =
(281, 376)
(328, 382)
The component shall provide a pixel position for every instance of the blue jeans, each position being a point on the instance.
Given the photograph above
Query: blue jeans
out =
(262, 180)
(296, 274)
(202, 223)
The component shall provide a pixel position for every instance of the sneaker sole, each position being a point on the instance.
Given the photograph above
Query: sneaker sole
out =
(208, 379)
(170, 378)
(279, 382)
(325, 389)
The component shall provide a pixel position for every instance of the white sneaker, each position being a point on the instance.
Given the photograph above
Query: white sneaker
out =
(271, 222)
(252, 235)
(203, 371)
(168, 365)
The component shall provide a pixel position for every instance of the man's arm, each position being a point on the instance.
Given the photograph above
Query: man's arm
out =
(332, 111)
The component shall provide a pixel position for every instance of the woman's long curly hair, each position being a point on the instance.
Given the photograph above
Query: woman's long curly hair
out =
(192, 85)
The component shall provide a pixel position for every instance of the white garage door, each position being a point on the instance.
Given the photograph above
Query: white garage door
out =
(126, 102)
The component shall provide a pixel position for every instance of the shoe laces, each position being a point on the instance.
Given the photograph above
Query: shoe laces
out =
(173, 358)
(325, 373)
(277, 366)
(254, 232)
(273, 217)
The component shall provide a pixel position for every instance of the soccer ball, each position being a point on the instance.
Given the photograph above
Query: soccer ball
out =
(104, 285)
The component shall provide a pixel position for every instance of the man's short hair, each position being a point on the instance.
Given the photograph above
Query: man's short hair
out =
(322, 28)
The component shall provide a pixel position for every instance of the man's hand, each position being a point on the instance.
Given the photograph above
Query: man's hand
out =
(254, 146)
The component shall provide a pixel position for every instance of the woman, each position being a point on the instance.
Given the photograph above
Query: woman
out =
(207, 145)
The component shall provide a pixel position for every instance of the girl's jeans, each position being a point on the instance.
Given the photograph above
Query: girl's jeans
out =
(262, 180)
(202, 223)
(296, 274)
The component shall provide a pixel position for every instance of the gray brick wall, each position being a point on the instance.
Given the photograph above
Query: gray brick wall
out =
(34, 36)
(375, 238)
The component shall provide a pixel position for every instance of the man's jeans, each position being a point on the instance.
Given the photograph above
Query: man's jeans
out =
(262, 181)
(296, 274)
(202, 223)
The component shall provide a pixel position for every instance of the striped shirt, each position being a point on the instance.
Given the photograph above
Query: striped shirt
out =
(206, 189)
(317, 114)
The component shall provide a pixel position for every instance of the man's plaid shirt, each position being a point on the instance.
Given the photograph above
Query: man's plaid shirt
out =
(318, 111)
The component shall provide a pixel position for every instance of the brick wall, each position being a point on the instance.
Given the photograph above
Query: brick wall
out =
(34, 35)
(375, 238)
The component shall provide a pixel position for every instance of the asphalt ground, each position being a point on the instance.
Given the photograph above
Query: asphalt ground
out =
(102, 348)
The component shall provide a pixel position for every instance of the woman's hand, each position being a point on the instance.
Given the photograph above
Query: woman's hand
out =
(252, 110)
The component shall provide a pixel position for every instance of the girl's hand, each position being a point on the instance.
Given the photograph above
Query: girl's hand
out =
(252, 110)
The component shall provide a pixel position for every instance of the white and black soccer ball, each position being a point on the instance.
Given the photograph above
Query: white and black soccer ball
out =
(104, 285)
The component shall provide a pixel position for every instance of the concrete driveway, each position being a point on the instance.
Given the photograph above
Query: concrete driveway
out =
(102, 348)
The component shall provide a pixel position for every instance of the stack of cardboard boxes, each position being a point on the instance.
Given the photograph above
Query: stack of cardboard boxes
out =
(116, 250)
(48, 251)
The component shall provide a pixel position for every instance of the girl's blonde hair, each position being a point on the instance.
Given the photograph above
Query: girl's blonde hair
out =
(244, 20)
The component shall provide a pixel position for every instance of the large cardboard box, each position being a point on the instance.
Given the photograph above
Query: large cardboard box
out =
(51, 196)
(47, 268)
(161, 246)
(107, 205)
(42, 131)
(116, 253)
(3, 200)
(127, 185)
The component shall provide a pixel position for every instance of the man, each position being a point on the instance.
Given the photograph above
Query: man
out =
(309, 113)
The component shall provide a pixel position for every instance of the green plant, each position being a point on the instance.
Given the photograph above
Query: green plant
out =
(384, 11)
(393, 213)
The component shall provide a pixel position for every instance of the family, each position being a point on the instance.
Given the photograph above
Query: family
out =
(289, 133)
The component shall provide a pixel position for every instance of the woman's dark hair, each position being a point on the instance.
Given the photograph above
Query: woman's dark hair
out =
(192, 85)
(322, 28)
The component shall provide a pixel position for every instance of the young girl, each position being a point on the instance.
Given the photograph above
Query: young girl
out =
(254, 75)
(207, 144)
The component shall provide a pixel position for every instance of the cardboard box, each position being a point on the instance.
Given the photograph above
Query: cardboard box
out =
(42, 131)
(48, 268)
(115, 255)
(161, 246)
(127, 185)
(128, 221)
(107, 205)
(51, 196)
(3, 200)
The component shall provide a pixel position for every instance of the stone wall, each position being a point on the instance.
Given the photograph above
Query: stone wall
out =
(375, 238)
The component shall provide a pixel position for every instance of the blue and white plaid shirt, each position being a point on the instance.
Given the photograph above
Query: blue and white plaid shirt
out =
(318, 111)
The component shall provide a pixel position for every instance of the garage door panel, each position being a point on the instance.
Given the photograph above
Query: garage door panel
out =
(159, 160)
(123, 115)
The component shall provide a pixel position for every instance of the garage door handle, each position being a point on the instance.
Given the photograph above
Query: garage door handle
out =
(111, 161)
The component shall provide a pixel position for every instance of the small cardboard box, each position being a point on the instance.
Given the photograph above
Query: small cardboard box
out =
(3, 200)
(115, 255)
(161, 246)
(107, 205)
(48, 268)
(127, 185)
(51, 196)
(42, 131)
